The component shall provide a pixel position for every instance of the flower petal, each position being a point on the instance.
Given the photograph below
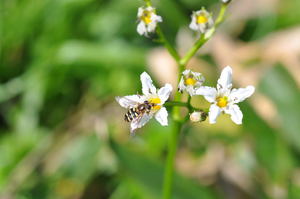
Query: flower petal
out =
(141, 28)
(214, 112)
(199, 77)
(147, 85)
(238, 95)
(162, 116)
(130, 100)
(151, 26)
(225, 80)
(209, 93)
(157, 18)
(236, 113)
(190, 90)
(140, 12)
(193, 24)
(164, 92)
(186, 72)
(181, 85)
(139, 122)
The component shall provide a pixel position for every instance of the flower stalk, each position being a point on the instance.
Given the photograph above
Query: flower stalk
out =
(141, 108)
(178, 121)
(204, 37)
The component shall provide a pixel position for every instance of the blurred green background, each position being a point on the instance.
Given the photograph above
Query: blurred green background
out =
(62, 134)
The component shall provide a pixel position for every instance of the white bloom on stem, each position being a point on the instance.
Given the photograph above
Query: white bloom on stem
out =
(198, 116)
(226, 1)
(156, 98)
(190, 81)
(224, 98)
(202, 21)
(147, 20)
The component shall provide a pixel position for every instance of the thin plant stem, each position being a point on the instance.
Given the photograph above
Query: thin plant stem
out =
(175, 103)
(193, 50)
(168, 46)
(148, 2)
(169, 168)
(178, 121)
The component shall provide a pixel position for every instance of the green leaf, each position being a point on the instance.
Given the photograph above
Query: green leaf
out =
(280, 87)
(271, 150)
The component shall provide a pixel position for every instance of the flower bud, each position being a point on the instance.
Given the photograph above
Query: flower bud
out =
(226, 1)
(198, 116)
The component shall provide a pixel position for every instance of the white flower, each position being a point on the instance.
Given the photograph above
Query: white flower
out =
(202, 21)
(190, 81)
(147, 20)
(155, 98)
(224, 98)
(225, 1)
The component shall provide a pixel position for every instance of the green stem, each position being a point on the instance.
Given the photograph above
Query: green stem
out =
(166, 43)
(172, 147)
(221, 15)
(148, 3)
(174, 103)
(169, 169)
(193, 50)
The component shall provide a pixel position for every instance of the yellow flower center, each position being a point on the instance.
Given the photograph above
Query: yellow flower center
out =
(155, 101)
(190, 81)
(222, 101)
(146, 18)
(201, 19)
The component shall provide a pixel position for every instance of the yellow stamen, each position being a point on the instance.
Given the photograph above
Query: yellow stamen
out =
(190, 81)
(201, 19)
(155, 101)
(222, 101)
(146, 18)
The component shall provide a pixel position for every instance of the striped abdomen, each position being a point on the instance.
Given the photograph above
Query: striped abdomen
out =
(131, 114)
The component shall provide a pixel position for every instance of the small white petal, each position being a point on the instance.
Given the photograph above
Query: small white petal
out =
(195, 116)
(164, 92)
(157, 18)
(141, 28)
(209, 93)
(140, 122)
(214, 112)
(162, 116)
(140, 12)
(147, 85)
(197, 75)
(151, 26)
(239, 95)
(186, 72)
(181, 86)
(190, 90)
(130, 100)
(236, 113)
(150, 9)
(193, 25)
(225, 80)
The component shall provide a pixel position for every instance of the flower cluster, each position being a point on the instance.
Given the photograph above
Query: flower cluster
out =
(223, 99)
(202, 20)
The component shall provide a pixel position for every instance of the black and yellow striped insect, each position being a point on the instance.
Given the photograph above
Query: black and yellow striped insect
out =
(138, 111)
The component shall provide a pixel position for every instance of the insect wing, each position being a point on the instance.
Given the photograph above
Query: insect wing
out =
(140, 121)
